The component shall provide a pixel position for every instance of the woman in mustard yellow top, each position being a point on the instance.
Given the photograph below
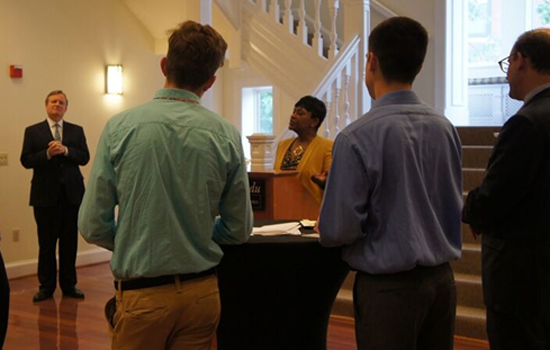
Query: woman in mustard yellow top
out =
(308, 153)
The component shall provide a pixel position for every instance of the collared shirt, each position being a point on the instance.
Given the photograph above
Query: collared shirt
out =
(535, 91)
(170, 166)
(52, 123)
(394, 193)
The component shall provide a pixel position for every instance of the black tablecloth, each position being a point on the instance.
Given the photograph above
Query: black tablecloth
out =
(277, 293)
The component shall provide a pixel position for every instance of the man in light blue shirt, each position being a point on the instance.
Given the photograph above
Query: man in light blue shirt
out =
(170, 166)
(393, 200)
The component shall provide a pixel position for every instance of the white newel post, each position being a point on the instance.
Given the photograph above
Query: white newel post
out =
(262, 151)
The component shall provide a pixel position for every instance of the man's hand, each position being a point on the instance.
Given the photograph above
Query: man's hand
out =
(316, 228)
(474, 232)
(56, 148)
(320, 179)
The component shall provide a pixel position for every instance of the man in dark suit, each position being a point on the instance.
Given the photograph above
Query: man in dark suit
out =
(511, 208)
(55, 149)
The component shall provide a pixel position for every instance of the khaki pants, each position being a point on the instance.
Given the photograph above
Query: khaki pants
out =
(175, 316)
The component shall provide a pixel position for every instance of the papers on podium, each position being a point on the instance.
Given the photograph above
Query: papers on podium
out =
(288, 228)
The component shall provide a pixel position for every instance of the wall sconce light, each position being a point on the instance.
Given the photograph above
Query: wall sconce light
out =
(113, 79)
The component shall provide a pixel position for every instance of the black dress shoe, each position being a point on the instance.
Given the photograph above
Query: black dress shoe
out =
(41, 296)
(73, 293)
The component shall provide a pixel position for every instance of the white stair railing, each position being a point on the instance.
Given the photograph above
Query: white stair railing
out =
(339, 87)
(337, 79)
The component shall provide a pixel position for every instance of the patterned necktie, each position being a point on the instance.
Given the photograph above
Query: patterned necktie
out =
(57, 136)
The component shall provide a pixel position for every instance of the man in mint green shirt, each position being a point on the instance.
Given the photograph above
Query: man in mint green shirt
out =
(177, 174)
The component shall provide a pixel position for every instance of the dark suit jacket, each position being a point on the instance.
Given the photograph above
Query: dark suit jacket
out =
(50, 175)
(512, 210)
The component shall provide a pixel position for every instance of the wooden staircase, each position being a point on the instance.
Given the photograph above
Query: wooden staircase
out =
(477, 145)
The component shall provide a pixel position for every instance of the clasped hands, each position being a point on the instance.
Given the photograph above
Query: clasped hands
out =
(56, 148)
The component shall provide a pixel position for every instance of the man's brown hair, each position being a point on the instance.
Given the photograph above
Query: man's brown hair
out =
(400, 43)
(195, 52)
(535, 44)
(57, 92)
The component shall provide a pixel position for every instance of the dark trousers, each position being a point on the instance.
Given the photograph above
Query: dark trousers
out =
(4, 302)
(406, 310)
(513, 331)
(57, 223)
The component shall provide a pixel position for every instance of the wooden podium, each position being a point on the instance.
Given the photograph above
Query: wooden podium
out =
(280, 195)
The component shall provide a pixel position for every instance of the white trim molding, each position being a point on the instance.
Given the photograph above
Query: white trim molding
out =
(29, 267)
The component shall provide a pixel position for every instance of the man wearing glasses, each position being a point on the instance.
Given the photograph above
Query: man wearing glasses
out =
(511, 208)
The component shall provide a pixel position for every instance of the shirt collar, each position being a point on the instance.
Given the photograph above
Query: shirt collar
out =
(535, 91)
(51, 123)
(171, 93)
(397, 97)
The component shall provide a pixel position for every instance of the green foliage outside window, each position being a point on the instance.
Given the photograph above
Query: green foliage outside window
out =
(543, 9)
(266, 112)
(486, 51)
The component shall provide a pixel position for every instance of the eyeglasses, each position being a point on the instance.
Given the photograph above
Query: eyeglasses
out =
(504, 64)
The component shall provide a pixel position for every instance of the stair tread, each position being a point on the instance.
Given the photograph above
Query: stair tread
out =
(464, 277)
(472, 312)
(474, 169)
(477, 147)
(475, 247)
(345, 294)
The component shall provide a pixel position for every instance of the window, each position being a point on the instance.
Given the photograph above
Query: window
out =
(484, 37)
(490, 29)
(257, 113)
(264, 101)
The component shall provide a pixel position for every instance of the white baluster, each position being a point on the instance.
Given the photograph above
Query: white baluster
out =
(333, 7)
(336, 90)
(317, 36)
(263, 5)
(328, 104)
(345, 86)
(274, 11)
(357, 22)
(302, 25)
(288, 20)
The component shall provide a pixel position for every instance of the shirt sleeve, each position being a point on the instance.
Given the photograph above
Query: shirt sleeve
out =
(235, 222)
(96, 220)
(344, 211)
(511, 174)
(30, 156)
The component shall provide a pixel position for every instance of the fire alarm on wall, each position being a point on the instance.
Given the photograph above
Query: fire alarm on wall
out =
(16, 71)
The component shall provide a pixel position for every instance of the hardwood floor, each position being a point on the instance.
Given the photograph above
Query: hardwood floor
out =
(69, 324)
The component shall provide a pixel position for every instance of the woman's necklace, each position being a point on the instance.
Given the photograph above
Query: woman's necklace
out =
(298, 151)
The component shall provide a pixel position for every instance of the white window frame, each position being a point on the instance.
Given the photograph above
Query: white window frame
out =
(451, 71)
(250, 112)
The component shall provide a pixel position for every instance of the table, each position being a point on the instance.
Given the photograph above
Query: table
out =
(277, 293)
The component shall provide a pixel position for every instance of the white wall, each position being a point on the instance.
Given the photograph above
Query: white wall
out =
(62, 44)
(422, 11)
